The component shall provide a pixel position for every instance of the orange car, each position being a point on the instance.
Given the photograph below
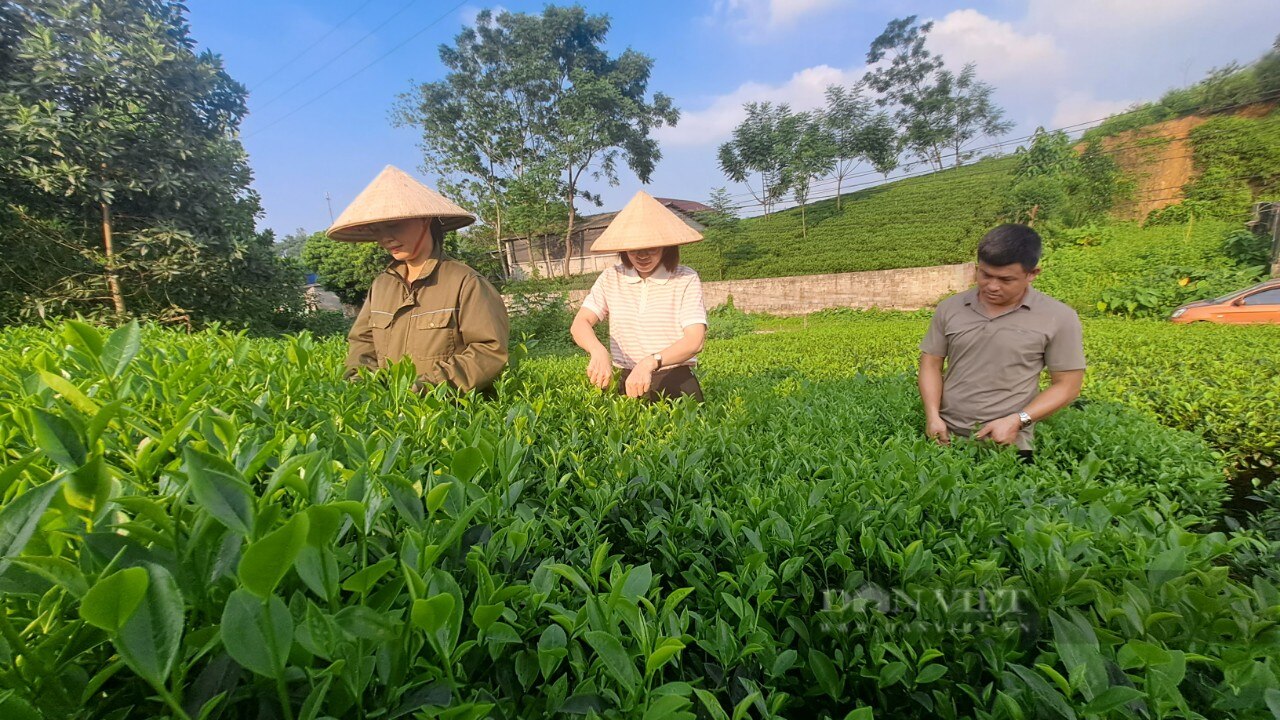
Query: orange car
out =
(1258, 304)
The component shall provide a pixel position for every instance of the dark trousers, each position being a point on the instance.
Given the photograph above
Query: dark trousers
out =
(670, 382)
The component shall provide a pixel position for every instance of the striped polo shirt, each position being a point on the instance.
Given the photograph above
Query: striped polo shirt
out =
(646, 315)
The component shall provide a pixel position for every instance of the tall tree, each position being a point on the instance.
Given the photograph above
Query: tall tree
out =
(291, 245)
(940, 113)
(481, 125)
(971, 113)
(813, 156)
(908, 82)
(108, 112)
(721, 226)
(528, 89)
(858, 134)
(763, 145)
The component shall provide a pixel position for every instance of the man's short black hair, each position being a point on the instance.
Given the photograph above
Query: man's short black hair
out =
(1011, 243)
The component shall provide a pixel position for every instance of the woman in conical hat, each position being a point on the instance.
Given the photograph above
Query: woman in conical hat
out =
(440, 313)
(657, 320)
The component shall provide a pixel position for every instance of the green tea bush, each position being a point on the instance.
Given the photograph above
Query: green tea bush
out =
(1220, 382)
(726, 321)
(211, 525)
(1084, 265)
(931, 220)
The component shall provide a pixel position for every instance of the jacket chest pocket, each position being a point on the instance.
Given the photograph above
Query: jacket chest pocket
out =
(380, 323)
(433, 333)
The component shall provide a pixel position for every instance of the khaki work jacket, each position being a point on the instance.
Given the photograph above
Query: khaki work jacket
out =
(451, 322)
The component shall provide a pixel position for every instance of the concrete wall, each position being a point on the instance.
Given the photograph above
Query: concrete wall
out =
(902, 289)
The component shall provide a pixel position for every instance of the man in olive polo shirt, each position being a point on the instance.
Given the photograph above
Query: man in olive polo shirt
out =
(995, 339)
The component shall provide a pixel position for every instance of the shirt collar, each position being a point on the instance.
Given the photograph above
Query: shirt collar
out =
(1029, 300)
(660, 276)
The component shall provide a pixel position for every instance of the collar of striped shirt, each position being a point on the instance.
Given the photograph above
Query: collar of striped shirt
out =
(660, 275)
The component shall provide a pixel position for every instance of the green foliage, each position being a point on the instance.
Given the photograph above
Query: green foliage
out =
(859, 135)
(813, 156)
(1160, 292)
(1246, 248)
(319, 323)
(722, 237)
(1091, 264)
(1056, 185)
(291, 245)
(764, 146)
(536, 94)
(474, 248)
(939, 112)
(346, 269)
(541, 319)
(1237, 162)
(107, 112)
(370, 552)
(726, 321)
(918, 222)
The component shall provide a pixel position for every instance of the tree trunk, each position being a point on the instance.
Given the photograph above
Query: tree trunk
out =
(546, 255)
(804, 228)
(568, 236)
(839, 182)
(497, 236)
(113, 281)
(568, 241)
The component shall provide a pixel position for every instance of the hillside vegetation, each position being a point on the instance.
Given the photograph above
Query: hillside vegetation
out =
(931, 220)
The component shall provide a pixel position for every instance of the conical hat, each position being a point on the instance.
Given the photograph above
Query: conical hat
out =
(644, 223)
(393, 195)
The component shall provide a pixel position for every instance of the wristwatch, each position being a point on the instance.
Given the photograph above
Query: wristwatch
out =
(1025, 419)
(657, 357)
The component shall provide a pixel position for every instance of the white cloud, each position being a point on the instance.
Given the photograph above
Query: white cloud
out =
(1078, 107)
(754, 20)
(999, 50)
(803, 91)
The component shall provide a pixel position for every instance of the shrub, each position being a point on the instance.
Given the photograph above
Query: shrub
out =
(726, 321)
(1159, 294)
(1081, 267)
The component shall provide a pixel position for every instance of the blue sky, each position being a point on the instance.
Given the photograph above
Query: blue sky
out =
(320, 120)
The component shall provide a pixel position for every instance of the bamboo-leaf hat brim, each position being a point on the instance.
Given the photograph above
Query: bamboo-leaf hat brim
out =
(644, 223)
(394, 195)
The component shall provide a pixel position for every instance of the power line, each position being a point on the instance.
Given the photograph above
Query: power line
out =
(353, 75)
(335, 58)
(310, 47)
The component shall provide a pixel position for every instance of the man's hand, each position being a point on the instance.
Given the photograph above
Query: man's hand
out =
(600, 370)
(641, 378)
(1002, 431)
(936, 429)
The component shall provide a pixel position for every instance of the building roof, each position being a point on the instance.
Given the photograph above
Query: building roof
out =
(684, 206)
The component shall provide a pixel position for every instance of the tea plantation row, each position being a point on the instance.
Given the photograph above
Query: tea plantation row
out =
(216, 526)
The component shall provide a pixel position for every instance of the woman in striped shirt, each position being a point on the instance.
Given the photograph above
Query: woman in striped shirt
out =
(657, 320)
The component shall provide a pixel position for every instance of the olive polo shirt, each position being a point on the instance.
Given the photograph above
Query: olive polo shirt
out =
(994, 363)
